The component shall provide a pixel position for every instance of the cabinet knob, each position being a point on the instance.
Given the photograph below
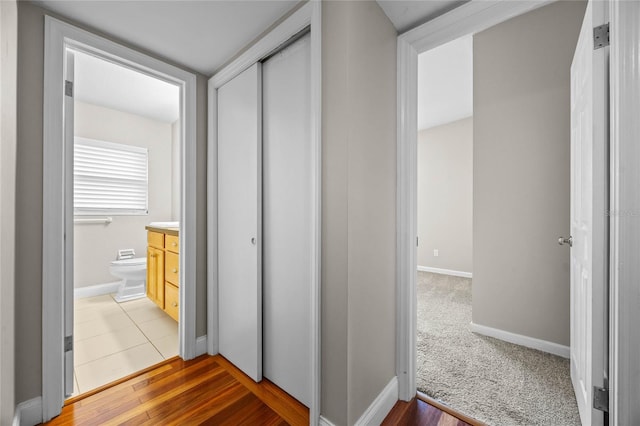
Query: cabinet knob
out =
(174, 244)
(175, 304)
(174, 270)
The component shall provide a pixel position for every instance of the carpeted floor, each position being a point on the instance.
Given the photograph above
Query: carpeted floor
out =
(493, 381)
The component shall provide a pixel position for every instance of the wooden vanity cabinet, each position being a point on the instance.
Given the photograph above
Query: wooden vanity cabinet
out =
(163, 274)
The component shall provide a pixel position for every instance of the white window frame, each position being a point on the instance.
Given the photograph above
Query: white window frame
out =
(115, 211)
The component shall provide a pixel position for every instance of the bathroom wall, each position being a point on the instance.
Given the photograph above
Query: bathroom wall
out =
(97, 245)
(445, 196)
(175, 170)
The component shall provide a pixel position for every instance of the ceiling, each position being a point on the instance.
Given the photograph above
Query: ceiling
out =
(103, 83)
(407, 14)
(203, 35)
(445, 83)
(199, 35)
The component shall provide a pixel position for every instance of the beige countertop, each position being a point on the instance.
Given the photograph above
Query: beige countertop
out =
(168, 231)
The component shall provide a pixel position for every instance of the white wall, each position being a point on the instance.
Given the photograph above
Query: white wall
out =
(8, 77)
(521, 164)
(445, 196)
(175, 171)
(97, 245)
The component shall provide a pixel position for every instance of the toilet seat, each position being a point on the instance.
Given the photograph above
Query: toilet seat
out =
(136, 261)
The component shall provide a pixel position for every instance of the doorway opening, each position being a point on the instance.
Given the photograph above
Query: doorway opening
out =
(62, 40)
(126, 210)
(492, 338)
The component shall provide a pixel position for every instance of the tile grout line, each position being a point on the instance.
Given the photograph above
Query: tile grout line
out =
(143, 333)
(113, 331)
(137, 326)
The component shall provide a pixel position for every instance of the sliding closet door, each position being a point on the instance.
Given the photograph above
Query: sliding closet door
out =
(287, 219)
(239, 222)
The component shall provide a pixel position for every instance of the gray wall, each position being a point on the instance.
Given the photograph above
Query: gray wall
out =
(29, 201)
(445, 195)
(96, 245)
(358, 219)
(521, 137)
(8, 98)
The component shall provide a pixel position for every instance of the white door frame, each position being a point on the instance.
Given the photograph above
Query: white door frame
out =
(308, 15)
(59, 36)
(624, 231)
(469, 18)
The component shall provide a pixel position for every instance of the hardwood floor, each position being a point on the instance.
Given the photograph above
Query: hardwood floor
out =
(424, 411)
(205, 390)
(210, 390)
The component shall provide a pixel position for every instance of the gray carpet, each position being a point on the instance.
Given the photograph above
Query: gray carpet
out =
(493, 381)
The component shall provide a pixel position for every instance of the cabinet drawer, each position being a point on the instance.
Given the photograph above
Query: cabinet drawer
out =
(172, 268)
(172, 243)
(155, 239)
(171, 300)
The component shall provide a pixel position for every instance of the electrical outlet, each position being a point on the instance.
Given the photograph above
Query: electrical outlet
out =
(436, 252)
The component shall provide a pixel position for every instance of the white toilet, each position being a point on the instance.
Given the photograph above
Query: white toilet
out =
(133, 272)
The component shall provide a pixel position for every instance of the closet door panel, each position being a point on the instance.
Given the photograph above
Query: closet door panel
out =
(239, 221)
(287, 184)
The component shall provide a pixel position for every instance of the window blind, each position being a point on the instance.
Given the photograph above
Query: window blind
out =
(109, 178)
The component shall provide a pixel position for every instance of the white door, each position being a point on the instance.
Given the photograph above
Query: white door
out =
(240, 221)
(589, 195)
(68, 223)
(287, 186)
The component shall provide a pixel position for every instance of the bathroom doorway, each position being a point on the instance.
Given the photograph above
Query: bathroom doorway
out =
(126, 220)
(62, 43)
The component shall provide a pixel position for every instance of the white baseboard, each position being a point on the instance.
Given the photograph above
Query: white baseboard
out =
(519, 339)
(201, 345)
(324, 422)
(445, 271)
(96, 290)
(28, 413)
(380, 407)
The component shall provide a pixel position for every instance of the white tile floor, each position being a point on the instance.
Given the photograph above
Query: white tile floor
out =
(113, 340)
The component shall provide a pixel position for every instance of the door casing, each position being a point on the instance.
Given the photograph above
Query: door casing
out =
(469, 18)
(58, 37)
(308, 15)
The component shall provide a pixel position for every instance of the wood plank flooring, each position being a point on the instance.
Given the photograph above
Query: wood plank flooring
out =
(424, 411)
(205, 390)
(210, 390)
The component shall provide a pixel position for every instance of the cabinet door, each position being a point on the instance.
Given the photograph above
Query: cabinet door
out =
(151, 274)
(155, 275)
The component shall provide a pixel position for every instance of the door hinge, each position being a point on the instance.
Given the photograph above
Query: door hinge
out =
(417, 241)
(601, 399)
(68, 88)
(600, 36)
(68, 343)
